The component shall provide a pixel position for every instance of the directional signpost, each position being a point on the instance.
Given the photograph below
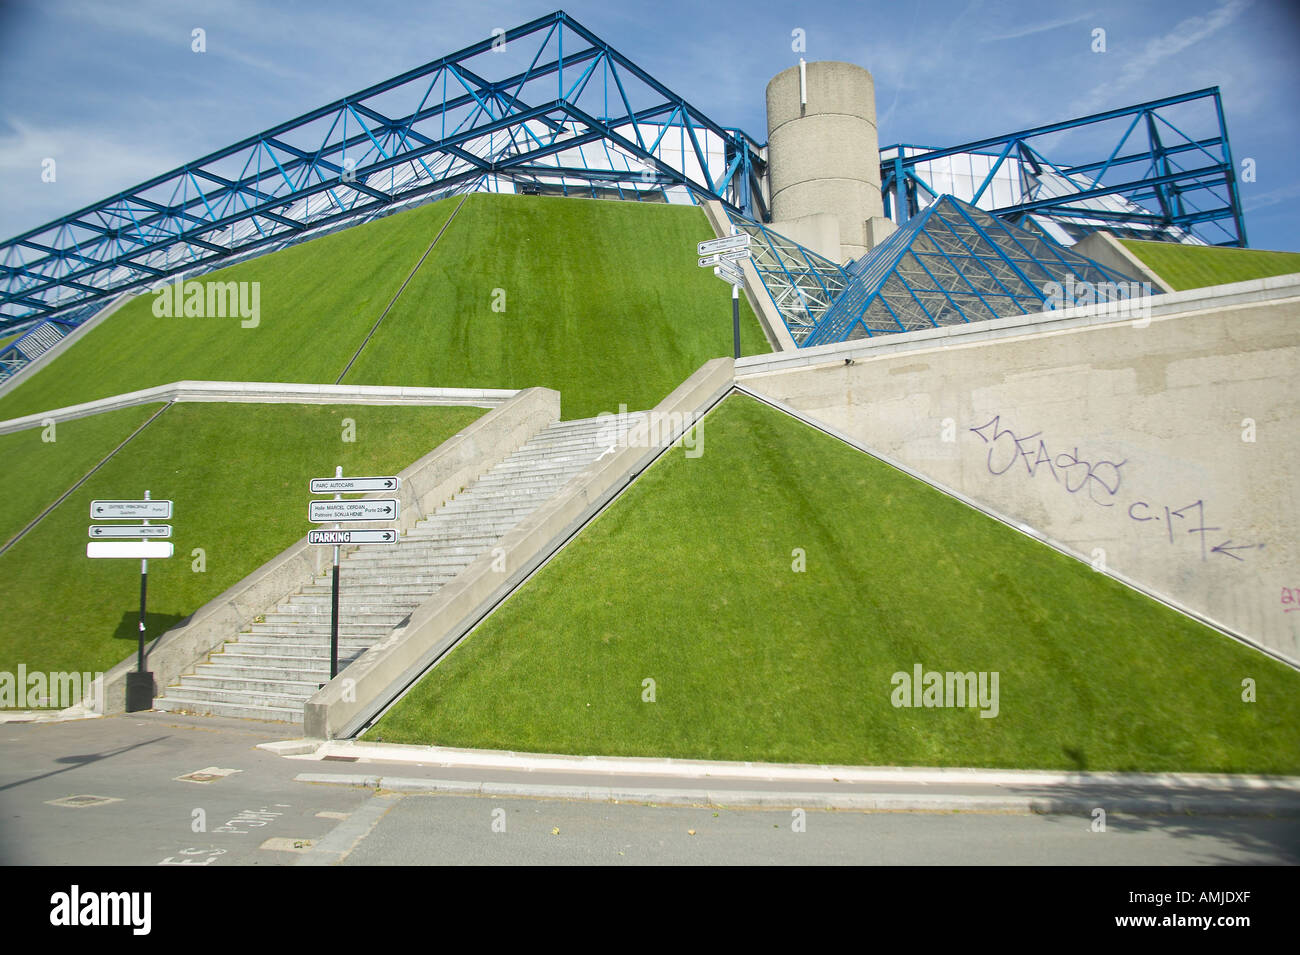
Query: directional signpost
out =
(331, 512)
(98, 531)
(340, 511)
(354, 485)
(723, 255)
(106, 542)
(351, 537)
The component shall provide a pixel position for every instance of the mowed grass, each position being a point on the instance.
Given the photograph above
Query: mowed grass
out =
(1199, 266)
(42, 463)
(688, 581)
(603, 301)
(317, 301)
(238, 474)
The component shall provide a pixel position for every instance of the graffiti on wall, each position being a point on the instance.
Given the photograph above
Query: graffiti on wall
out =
(1099, 481)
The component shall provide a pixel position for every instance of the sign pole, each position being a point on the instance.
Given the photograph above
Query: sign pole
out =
(334, 600)
(735, 311)
(139, 685)
(144, 592)
(735, 317)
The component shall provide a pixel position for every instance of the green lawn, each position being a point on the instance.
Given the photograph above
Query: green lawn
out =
(1199, 266)
(38, 470)
(602, 300)
(238, 474)
(317, 301)
(688, 580)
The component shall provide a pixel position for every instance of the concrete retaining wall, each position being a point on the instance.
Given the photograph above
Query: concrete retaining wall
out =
(428, 482)
(1166, 449)
(386, 669)
(1105, 248)
(269, 392)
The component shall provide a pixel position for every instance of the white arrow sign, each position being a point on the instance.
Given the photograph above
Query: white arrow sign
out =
(724, 244)
(351, 485)
(729, 273)
(139, 550)
(735, 255)
(329, 512)
(140, 510)
(130, 530)
(351, 537)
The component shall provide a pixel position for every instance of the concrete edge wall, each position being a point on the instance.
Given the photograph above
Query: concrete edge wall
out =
(43, 359)
(386, 669)
(1277, 288)
(424, 484)
(1105, 248)
(269, 392)
(778, 336)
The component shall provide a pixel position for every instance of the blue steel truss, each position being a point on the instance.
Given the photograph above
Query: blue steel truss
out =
(801, 283)
(1170, 158)
(953, 264)
(518, 107)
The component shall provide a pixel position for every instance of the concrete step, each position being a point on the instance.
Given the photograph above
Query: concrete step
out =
(318, 672)
(245, 697)
(373, 630)
(301, 654)
(208, 707)
(286, 687)
(396, 589)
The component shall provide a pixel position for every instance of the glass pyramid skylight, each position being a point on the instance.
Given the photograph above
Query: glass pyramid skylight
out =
(953, 263)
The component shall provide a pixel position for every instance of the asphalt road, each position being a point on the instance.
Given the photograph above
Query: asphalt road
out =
(259, 814)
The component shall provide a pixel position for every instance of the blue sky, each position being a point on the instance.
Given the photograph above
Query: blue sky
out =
(114, 93)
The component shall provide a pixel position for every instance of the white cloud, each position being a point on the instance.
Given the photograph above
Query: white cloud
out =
(1135, 68)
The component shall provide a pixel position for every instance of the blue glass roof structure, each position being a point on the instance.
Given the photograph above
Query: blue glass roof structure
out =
(952, 264)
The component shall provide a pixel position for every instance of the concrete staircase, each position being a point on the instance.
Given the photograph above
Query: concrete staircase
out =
(269, 671)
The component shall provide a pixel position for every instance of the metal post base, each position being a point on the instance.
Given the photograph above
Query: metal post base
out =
(139, 691)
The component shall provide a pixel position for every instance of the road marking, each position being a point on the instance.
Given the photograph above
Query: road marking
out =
(208, 775)
(84, 801)
(327, 814)
(286, 844)
(345, 837)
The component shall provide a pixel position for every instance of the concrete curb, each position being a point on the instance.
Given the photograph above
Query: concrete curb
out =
(447, 757)
(1072, 804)
(269, 392)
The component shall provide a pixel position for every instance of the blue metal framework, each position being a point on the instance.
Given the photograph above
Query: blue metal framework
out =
(801, 283)
(953, 264)
(1171, 178)
(445, 127)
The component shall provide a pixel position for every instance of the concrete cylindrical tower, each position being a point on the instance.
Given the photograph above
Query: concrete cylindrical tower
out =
(823, 151)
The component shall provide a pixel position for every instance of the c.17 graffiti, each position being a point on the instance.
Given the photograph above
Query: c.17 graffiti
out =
(1102, 479)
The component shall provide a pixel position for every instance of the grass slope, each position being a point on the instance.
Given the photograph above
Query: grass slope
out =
(1199, 266)
(688, 581)
(317, 302)
(235, 499)
(603, 301)
(38, 470)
